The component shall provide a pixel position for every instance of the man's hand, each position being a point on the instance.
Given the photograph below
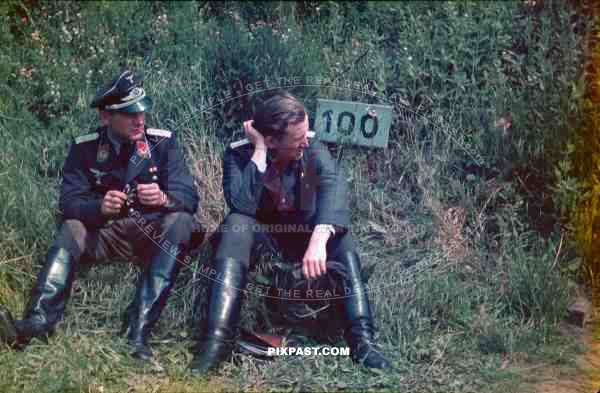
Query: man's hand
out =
(151, 195)
(315, 257)
(254, 136)
(313, 263)
(259, 156)
(112, 202)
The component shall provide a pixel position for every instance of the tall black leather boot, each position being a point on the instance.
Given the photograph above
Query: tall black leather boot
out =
(359, 331)
(132, 307)
(8, 329)
(48, 297)
(222, 322)
(153, 289)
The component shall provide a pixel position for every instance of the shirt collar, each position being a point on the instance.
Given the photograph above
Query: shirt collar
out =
(293, 164)
(115, 140)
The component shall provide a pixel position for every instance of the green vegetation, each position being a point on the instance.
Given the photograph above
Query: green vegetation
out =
(459, 220)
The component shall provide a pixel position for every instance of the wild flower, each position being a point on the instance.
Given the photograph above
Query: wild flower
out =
(27, 72)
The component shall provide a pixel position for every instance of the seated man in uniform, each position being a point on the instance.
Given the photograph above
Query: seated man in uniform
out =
(282, 181)
(125, 192)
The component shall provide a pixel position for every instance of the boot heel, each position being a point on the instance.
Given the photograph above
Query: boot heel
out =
(359, 331)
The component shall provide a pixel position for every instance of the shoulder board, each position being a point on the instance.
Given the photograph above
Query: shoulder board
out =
(245, 141)
(87, 138)
(158, 132)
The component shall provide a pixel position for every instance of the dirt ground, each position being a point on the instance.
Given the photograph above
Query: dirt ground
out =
(585, 378)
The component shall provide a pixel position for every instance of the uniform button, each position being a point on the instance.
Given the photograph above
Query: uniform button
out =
(282, 200)
(131, 210)
(154, 178)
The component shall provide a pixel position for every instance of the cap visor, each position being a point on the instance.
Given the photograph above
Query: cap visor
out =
(144, 105)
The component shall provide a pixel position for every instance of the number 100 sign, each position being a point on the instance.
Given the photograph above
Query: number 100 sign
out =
(353, 122)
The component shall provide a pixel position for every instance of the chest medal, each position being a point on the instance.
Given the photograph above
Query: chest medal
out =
(142, 149)
(102, 153)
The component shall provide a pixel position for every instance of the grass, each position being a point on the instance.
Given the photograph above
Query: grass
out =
(458, 262)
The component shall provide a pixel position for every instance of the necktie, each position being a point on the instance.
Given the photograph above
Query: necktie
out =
(273, 182)
(125, 153)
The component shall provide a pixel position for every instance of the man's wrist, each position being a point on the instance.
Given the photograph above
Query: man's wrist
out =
(259, 157)
(321, 234)
(327, 228)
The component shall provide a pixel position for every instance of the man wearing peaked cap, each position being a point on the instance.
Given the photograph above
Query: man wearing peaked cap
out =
(125, 192)
(124, 94)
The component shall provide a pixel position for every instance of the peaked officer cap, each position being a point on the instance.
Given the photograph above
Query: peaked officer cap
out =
(123, 94)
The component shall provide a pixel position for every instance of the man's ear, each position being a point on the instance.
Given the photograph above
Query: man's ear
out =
(104, 117)
(270, 141)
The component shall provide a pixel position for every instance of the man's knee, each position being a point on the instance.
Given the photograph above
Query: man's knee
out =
(181, 220)
(178, 226)
(236, 237)
(72, 236)
(239, 220)
(239, 225)
(340, 246)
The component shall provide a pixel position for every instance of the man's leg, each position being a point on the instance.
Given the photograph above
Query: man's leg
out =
(238, 234)
(359, 330)
(51, 292)
(157, 279)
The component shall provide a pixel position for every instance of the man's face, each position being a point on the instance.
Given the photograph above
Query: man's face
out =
(129, 126)
(291, 146)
